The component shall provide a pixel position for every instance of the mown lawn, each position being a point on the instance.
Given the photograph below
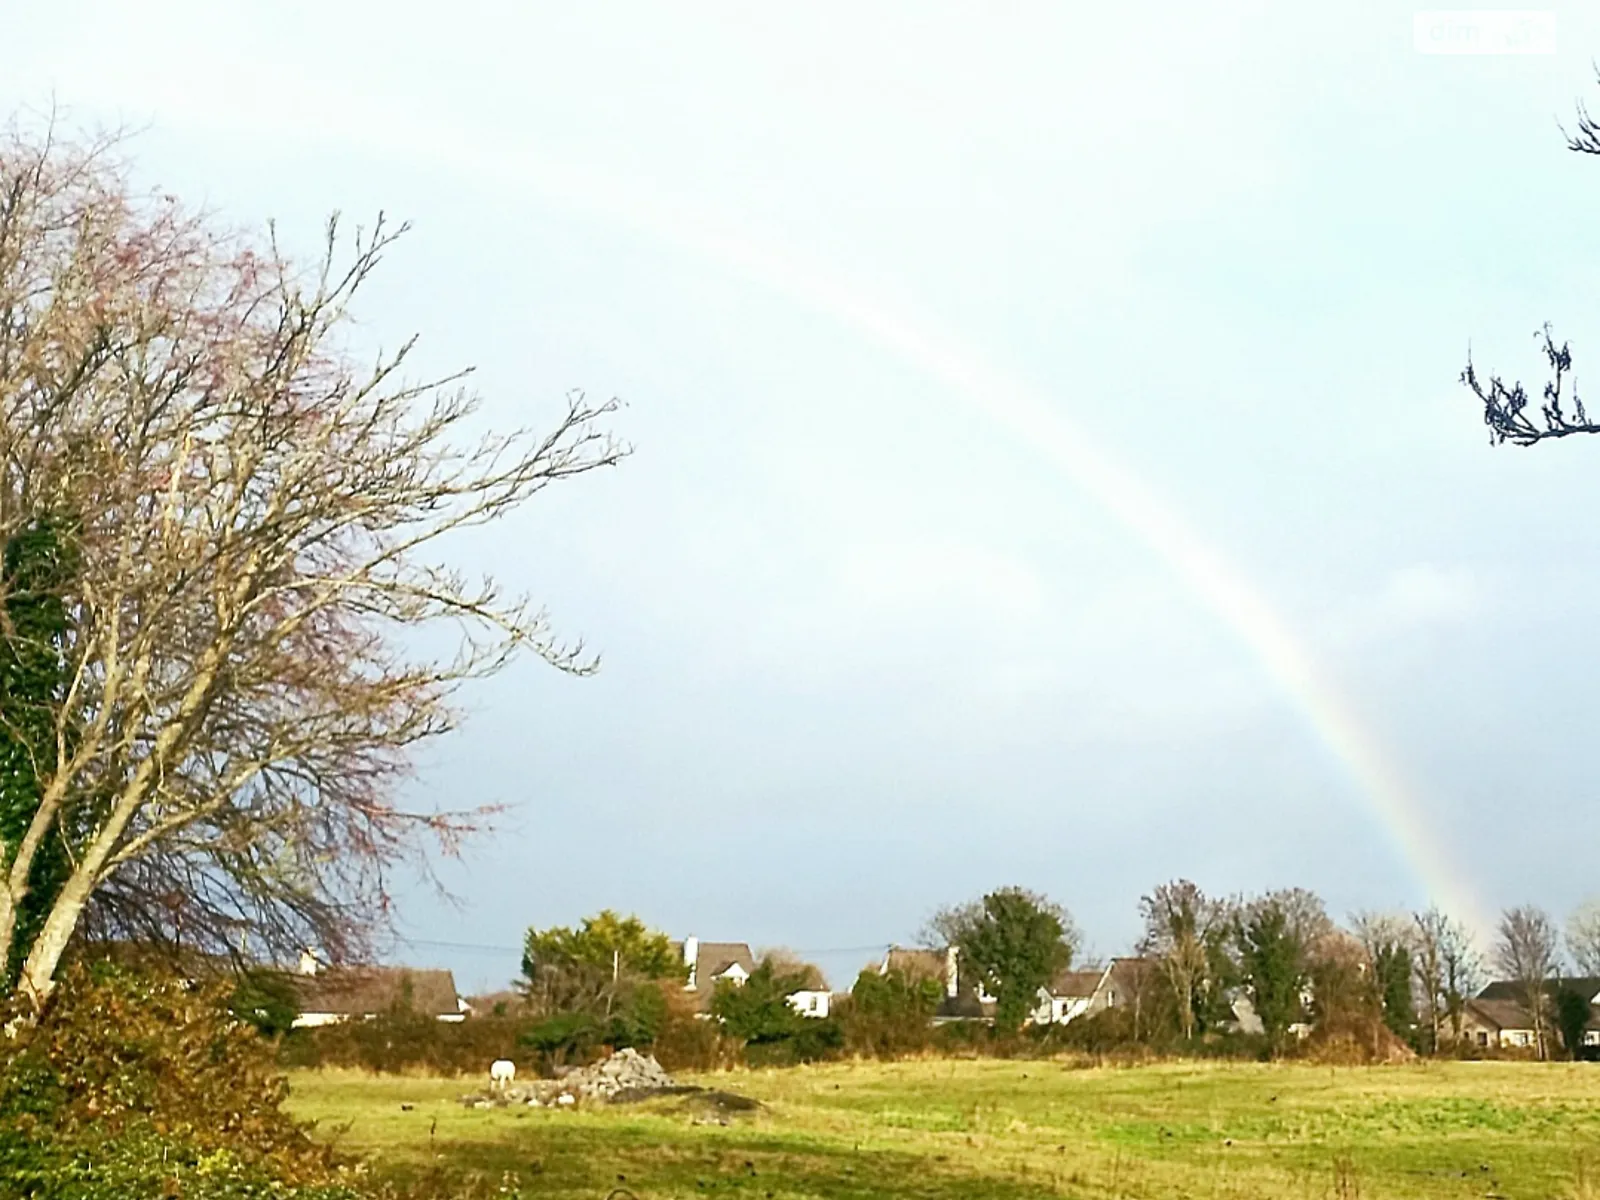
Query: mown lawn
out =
(1007, 1130)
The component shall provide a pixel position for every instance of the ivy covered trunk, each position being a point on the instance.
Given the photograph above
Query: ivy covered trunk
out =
(34, 627)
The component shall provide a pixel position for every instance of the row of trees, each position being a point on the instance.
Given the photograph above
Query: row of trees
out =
(1200, 963)
(1408, 973)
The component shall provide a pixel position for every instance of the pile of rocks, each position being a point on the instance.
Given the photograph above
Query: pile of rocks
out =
(626, 1075)
(625, 1071)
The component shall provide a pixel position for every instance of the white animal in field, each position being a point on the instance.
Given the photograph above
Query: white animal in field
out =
(501, 1072)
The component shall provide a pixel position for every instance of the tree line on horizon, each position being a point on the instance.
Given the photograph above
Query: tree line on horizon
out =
(1381, 981)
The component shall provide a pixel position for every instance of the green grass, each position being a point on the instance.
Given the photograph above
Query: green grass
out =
(1007, 1130)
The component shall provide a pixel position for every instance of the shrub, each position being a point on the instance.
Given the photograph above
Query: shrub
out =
(131, 1084)
(407, 1041)
(889, 1014)
(759, 1014)
(689, 1041)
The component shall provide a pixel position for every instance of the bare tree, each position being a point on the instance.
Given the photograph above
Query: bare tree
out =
(1183, 929)
(1463, 971)
(1583, 938)
(1445, 970)
(1560, 411)
(254, 519)
(1527, 953)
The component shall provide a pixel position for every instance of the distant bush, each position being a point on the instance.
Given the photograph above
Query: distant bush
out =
(401, 1040)
(689, 1041)
(758, 1013)
(888, 1014)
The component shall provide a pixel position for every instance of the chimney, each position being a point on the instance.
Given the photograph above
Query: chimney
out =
(952, 974)
(691, 958)
(308, 963)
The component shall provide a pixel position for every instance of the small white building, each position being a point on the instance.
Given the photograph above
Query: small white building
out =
(814, 1003)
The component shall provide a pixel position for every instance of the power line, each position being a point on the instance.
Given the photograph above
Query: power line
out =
(487, 949)
(477, 946)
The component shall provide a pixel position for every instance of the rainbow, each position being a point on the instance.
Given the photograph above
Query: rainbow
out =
(1017, 408)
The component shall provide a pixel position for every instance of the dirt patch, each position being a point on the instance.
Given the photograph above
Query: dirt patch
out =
(722, 1102)
(634, 1095)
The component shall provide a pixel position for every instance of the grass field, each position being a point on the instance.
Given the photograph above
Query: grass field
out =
(1008, 1130)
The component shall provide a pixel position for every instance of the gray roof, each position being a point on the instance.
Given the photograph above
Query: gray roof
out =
(365, 991)
(1510, 989)
(712, 960)
(915, 963)
(1076, 985)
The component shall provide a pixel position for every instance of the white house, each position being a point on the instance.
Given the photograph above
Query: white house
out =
(1497, 1017)
(1074, 994)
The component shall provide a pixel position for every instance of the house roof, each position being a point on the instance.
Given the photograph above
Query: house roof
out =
(1510, 989)
(1130, 976)
(1500, 1013)
(712, 960)
(915, 963)
(1503, 1014)
(360, 991)
(1076, 985)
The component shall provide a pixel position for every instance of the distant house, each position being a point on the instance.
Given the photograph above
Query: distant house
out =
(707, 964)
(1070, 995)
(330, 995)
(960, 1003)
(1123, 982)
(1498, 1017)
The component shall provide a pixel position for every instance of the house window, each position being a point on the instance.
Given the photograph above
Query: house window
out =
(1483, 1037)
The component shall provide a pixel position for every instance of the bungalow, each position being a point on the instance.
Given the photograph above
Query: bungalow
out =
(330, 995)
(1498, 1016)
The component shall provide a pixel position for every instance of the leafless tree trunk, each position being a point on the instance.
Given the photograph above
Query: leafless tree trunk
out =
(1180, 926)
(1463, 970)
(255, 517)
(1527, 954)
(1427, 937)
(1445, 969)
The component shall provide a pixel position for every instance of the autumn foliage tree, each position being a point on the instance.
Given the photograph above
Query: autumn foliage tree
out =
(221, 533)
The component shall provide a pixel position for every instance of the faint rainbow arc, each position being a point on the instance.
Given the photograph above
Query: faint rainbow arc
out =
(1019, 409)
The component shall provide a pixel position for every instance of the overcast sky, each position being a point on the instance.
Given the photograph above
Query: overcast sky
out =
(869, 647)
